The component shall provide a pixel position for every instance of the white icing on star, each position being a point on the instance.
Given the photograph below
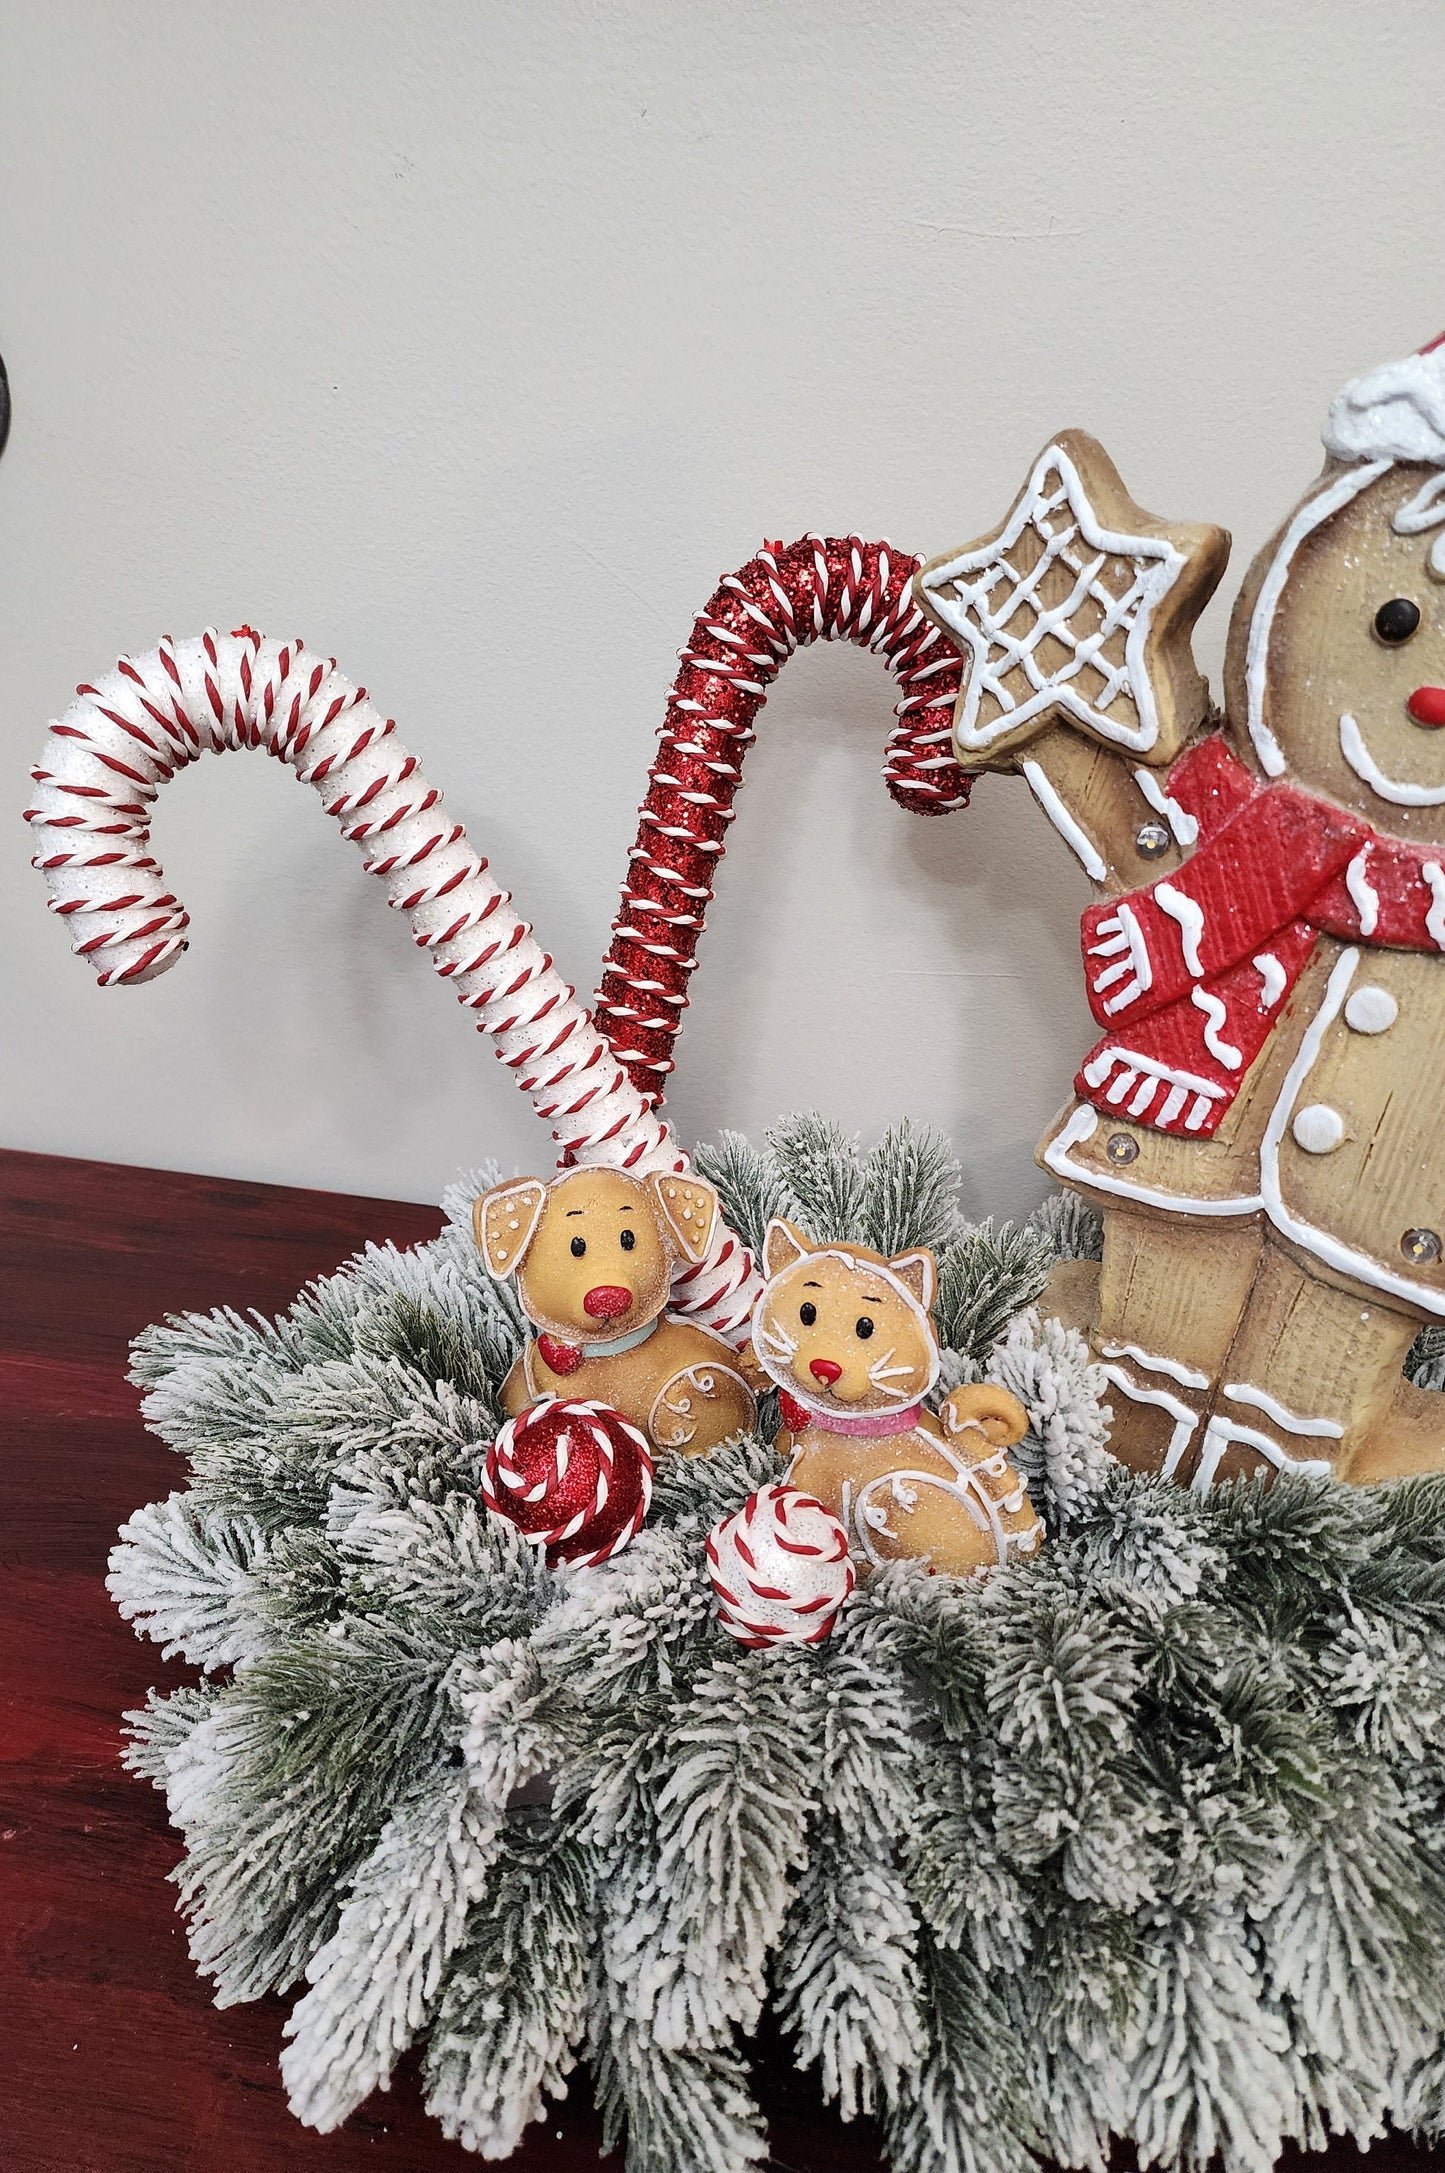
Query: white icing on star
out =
(994, 612)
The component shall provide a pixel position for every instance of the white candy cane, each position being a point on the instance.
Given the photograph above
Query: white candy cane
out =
(106, 760)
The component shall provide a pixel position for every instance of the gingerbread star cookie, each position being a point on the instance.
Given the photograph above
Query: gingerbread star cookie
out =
(1077, 610)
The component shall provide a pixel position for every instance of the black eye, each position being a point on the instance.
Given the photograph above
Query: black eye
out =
(807, 1314)
(627, 1240)
(863, 1328)
(579, 1246)
(1397, 620)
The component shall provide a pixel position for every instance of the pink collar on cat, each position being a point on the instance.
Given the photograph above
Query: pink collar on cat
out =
(876, 1426)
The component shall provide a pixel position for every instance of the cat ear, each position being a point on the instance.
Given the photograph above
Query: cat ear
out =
(688, 1207)
(504, 1223)
(918, 1273)
(782, 1245)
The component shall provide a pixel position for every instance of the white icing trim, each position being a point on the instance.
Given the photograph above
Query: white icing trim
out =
(1155, 1075)
(1424, 511)
(1190, 916)
(1363, 895)
(1121, 932)
(1186, 1376)
(1273, 975)
(1184, 826)
(1185, 1420)
(1261, 625)
(1435, 918)
(1396, 410)
(1077, 839)
(970, 619)
(1215, 1013)
(1082, 1125)
(1097, 1070)
(1365, 767)
(1219, 1433)
(1260, 1398)
(1343, 1258)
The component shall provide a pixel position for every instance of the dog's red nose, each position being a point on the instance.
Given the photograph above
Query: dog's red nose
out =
(825, 1369)
(609, 1301)
(1427, 705)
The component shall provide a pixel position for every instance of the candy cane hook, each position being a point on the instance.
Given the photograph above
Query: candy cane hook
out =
(119, 742)
(819, 589)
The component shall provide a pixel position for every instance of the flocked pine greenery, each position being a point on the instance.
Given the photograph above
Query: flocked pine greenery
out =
(1141, 1837)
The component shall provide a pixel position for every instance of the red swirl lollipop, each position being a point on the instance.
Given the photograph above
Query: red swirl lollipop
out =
(575, 1478)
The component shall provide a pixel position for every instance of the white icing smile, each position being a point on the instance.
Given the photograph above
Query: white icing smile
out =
(1365, 767)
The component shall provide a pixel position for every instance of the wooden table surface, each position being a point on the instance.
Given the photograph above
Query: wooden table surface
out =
(112, 2059)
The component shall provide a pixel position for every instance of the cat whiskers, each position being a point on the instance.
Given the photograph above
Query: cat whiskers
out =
(775, 1343)
(879, 1373)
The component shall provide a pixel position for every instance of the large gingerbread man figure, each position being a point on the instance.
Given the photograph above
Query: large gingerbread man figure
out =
(1262, 1120)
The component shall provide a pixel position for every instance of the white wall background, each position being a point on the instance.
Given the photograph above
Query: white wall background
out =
(473, 341)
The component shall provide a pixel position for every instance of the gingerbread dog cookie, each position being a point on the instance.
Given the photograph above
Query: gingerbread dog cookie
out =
(594, 1254)
(1260, 1119)
(848, 1338)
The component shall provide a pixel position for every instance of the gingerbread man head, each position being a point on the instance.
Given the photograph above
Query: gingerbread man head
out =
(1336, 664)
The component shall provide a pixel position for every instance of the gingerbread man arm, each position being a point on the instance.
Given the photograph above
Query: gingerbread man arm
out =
(1258, 873)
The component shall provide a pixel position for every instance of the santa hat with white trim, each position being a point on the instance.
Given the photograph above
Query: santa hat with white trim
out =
(1397, 413)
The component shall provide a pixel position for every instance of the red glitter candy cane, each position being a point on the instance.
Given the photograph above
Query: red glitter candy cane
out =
(822, 588)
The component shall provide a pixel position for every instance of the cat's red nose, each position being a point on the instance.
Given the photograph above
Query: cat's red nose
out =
(1427, 705)
(608, 1301)
(825, 1369)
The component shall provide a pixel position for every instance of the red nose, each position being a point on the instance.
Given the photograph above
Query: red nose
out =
(825, 1369)
(1427, 705)
(607, 1302)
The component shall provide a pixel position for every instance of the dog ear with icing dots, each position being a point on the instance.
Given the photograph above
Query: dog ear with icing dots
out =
(689, 1209)
(504, 1223)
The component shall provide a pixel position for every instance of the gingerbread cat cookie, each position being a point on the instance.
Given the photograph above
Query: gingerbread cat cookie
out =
(847, 1336)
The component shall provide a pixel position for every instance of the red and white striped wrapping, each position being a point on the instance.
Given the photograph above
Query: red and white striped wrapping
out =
(104, 764)
(574, 1477)
(822, 588)
(780, 1569)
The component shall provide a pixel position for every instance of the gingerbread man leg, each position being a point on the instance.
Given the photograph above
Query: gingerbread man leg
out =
(1312, 1380)
(1161, 1312)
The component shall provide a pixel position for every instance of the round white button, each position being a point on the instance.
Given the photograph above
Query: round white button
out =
(1371, 1010)
(1318, 1128)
